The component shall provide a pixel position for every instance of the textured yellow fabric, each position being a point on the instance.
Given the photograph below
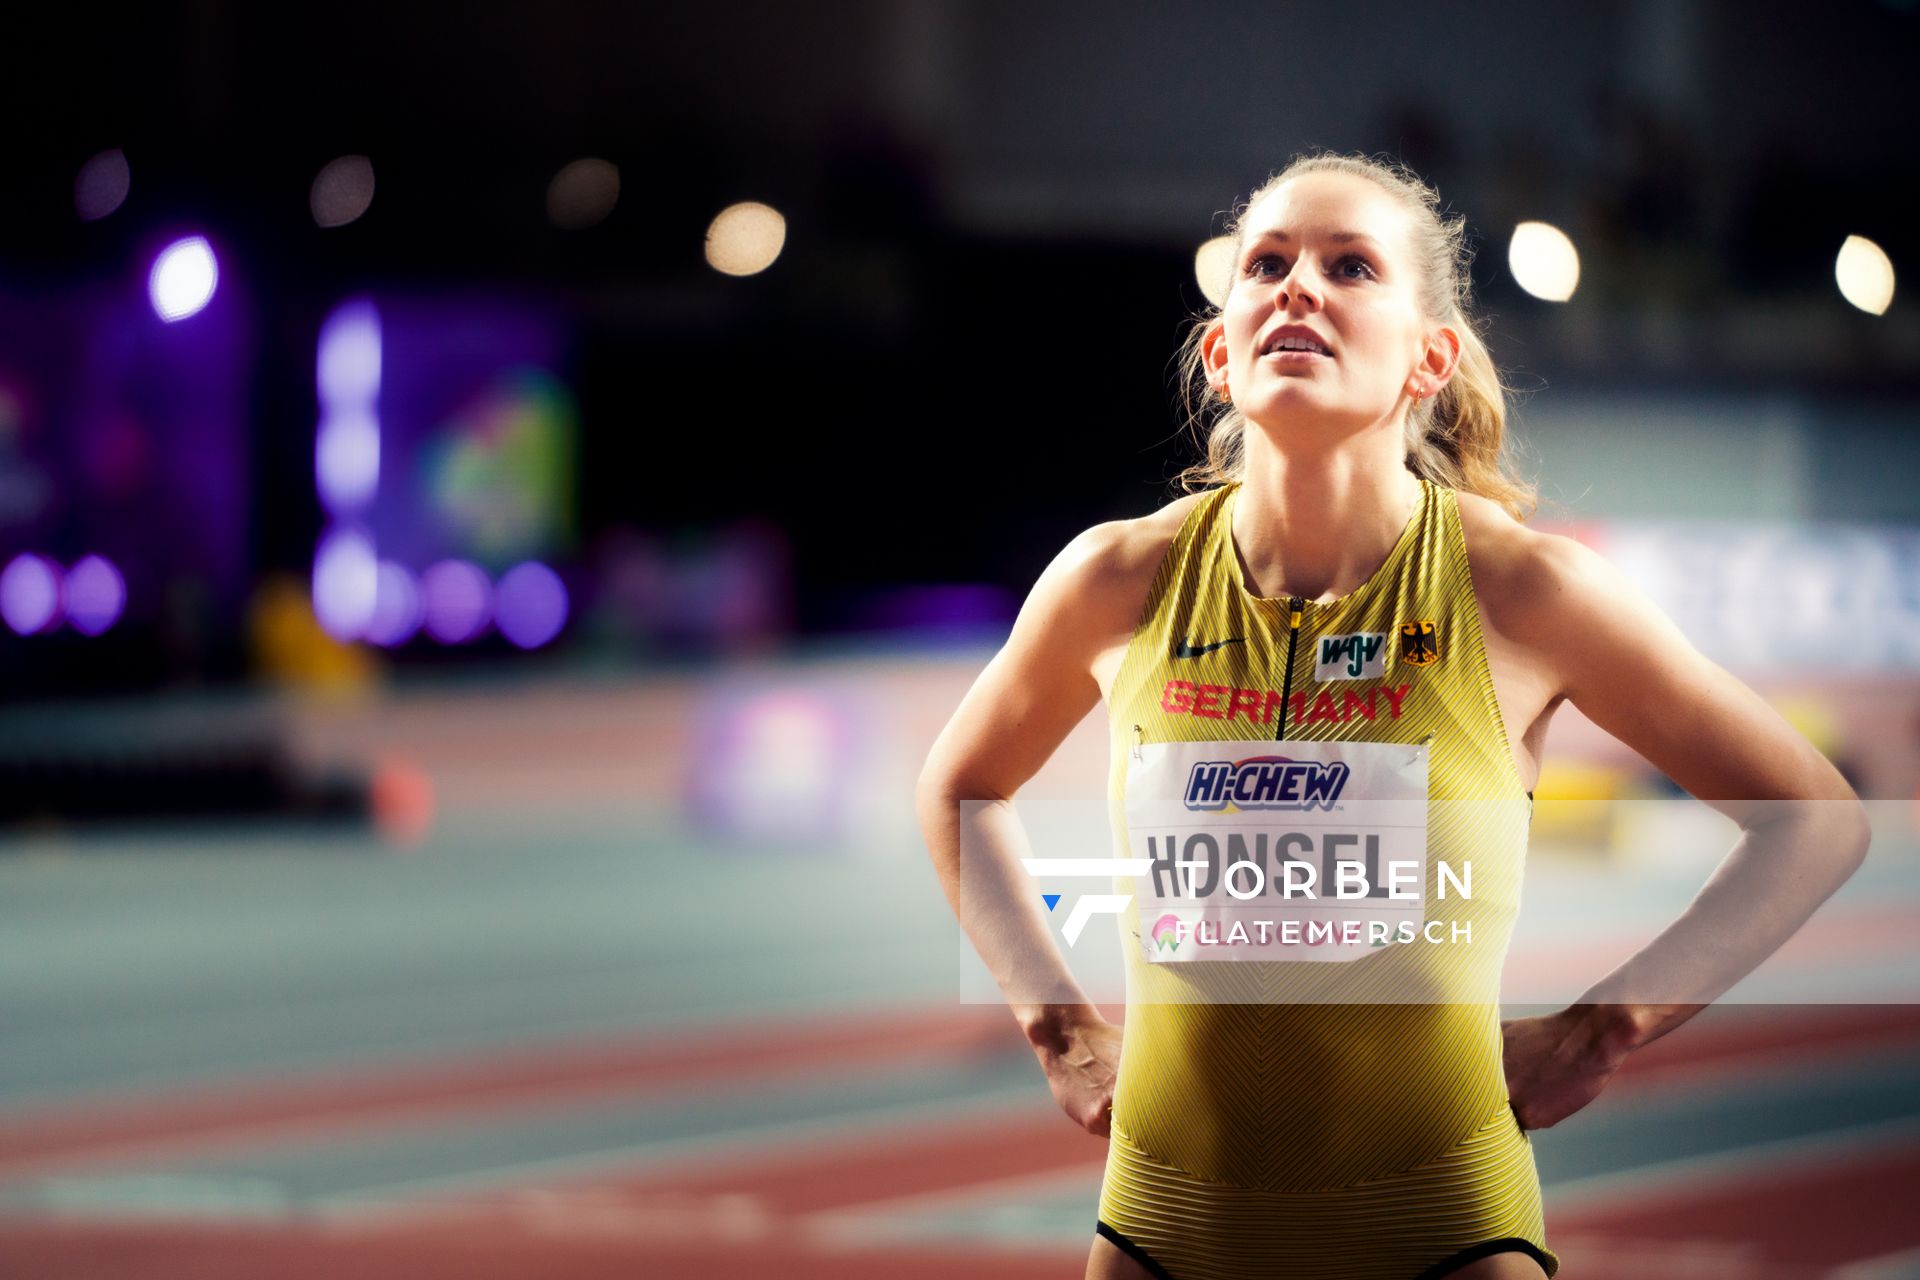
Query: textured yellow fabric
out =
(1262, 1126)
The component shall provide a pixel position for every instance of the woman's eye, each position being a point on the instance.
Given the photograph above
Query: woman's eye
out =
(1351, 267)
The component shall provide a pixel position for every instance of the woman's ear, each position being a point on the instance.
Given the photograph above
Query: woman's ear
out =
(1438, 360)
(1213, 355)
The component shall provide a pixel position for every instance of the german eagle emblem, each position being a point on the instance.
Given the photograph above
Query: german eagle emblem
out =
(1419, 644)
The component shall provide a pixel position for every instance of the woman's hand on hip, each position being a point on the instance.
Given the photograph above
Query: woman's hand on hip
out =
(1082, 1060)
(1557, 1064)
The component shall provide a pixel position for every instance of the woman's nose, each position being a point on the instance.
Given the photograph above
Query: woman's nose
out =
(1297, 288)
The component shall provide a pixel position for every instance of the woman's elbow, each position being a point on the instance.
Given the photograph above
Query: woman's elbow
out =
(1859, 829)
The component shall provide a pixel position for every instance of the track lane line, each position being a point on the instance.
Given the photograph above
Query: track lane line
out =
(226, 1115)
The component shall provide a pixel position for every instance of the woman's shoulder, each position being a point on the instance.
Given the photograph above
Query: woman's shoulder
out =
(1119, 553)
(1104, 574)
(1525, 579)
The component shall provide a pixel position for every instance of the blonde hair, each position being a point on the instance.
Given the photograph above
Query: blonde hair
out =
(1453, 439)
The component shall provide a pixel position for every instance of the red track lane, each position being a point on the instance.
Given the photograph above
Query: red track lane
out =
(1860, 1206)
(1731, 1037)
(490, 1250)
(955, 1155)
(950, 1156)
(258, 1112)
(253, 1113)
(1817, 1212)
(1859, 933)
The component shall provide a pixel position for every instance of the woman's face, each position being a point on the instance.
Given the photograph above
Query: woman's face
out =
(1324, 260)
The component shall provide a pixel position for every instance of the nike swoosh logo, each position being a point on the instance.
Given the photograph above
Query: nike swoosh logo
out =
(1186, 650)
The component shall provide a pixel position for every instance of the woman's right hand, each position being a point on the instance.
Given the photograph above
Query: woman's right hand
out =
(1082, 1059)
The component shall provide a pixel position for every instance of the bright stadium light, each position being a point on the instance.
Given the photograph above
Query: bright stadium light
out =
(1544, 261)
(744, 239)
(1865, 275)
(1213, 268)
(183, 278)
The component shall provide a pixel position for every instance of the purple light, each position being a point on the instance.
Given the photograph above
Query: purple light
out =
(345, 583)
(183, 278)
(780, 764)
(396, 606)
(346, 461)
(347, 368)
(944, 608)
(30, 594)
(95, 594)
(458, 599)
(531, 605)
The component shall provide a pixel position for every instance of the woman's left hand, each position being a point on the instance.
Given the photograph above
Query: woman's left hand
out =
(1559, 1063)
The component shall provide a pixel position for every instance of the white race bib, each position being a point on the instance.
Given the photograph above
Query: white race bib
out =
(1277, 850)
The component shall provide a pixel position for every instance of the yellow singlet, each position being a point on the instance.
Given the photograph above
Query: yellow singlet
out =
(1261, 1127)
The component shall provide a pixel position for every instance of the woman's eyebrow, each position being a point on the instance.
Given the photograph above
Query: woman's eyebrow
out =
(1339, 237)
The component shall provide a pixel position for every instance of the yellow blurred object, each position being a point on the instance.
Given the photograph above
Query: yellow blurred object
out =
(1564, 780)
(1572, 806)
(1812, 719)
(289, 647)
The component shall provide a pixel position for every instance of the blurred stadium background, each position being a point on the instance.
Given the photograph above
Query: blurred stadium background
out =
(496, 501)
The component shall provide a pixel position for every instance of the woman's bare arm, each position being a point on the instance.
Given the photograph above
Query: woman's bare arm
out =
(1614, 655)
(1039, 686)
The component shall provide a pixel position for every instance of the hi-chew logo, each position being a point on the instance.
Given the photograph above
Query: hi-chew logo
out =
(1265, 782)
(1359, 656)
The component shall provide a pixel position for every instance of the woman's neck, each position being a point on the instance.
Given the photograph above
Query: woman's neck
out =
(1318, 524)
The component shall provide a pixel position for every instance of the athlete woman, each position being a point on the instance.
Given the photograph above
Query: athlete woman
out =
(1356, 592)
